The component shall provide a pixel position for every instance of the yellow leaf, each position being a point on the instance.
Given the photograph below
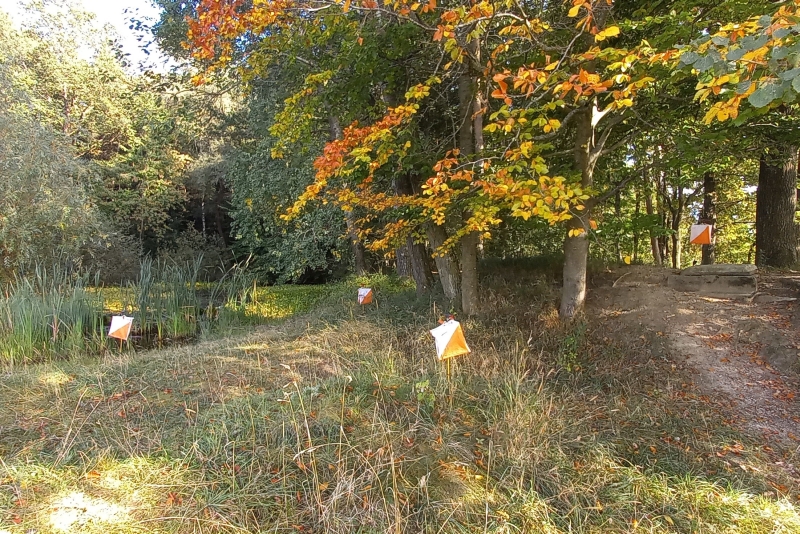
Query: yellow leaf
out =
(627, 260)
(346, 7)
(611, 31)
(710, 115)
(573, 12)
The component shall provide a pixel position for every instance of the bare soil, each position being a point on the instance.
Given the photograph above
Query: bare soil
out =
(742, 354)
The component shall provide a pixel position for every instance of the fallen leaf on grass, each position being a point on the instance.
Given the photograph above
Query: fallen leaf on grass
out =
(173, 499)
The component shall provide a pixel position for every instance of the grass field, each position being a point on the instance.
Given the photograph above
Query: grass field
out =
(339, 419)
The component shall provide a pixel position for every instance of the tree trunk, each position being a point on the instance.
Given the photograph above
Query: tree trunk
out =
(636, 212)
(471, 127)
(403, 261)
(446, 265)
(587, 150)
(677, 219)
(576, 247)
(675, 203)
(776, 200)
(709, 215)
(576, 256)
(420, 266)
(655, 246)
(677, 245)
(412, 258)
(355, 243)
(618, 216)
(349, 218)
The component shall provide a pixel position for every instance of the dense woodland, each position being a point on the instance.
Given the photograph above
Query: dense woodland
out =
(310, 139)
(488, 159)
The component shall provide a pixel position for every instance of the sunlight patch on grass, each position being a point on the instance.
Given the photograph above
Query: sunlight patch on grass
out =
(280, 302)
(55, 378)
(76, 510)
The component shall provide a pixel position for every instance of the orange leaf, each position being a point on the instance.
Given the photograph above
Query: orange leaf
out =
(173, 499)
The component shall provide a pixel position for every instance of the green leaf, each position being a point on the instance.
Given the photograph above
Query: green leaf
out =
(752, 42)
(689, 58)
(780, 52)
(796, 84)
(704, 63)
(735, 54)
(790, 74)
(742, 87)
(765, 95)
(720, 41)
(780, 33)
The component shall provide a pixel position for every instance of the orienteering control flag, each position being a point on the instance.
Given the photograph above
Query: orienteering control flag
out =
(700, 234)
(365, 295)
(450, 340)
(120, 327)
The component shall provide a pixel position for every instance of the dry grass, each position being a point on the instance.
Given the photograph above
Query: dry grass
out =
(341, 421)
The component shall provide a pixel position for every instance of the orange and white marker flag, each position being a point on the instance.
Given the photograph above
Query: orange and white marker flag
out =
(120, 327)
(365, 295)
(450, 340)
(700, 234)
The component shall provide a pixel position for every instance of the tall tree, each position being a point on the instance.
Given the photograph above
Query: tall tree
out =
(709, 214)
(776, 243)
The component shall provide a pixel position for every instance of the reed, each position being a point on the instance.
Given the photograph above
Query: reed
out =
(54, 312)
(47, 314)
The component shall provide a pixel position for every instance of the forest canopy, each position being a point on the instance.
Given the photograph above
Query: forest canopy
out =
(315, 137)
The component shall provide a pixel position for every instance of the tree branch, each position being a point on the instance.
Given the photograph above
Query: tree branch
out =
(564, 122)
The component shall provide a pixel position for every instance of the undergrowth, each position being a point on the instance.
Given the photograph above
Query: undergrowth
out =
(340, 420)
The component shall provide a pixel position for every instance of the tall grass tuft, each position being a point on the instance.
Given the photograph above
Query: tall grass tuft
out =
(49, 313)
(54, 312)
(166, 299)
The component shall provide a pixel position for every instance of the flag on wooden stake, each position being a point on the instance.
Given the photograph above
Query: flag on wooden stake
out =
(450, 340)
(120, 327)
(365, 295)
(700, 234)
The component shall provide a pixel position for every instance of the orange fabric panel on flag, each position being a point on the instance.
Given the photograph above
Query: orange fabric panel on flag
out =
(456, 346)
(700, 234)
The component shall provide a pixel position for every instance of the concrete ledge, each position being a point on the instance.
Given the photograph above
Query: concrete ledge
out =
(720, 269)
(713, 284)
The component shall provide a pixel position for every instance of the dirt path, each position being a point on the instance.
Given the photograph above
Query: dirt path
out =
(740, 354)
